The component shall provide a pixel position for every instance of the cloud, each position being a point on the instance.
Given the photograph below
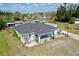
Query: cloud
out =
(29, 7)
(36, 5)
(23, 8)
(17, 7)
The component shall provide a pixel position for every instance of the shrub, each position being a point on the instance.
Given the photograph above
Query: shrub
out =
(2, 24)
(72, 20)
(17, 19)
(15, 34)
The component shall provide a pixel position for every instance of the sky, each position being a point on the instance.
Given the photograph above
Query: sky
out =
(29, 7)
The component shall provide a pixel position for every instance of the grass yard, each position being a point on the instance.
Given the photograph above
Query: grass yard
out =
(72, 27)
(10, 45)
(62, 25)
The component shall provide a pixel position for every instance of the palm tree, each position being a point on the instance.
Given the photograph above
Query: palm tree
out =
(67, 27)
(65, 8)
(65, 5)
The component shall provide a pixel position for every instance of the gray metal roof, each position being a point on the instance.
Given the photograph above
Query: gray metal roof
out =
(37, 28)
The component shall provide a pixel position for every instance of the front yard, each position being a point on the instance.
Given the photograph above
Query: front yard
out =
(72, 27)
(10, 45)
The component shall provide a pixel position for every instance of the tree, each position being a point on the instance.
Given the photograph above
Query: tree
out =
(2, 24)
(77, 12)
(67, 11)
(16, 18)
(67, 27)
(72, 20)
(60, 13)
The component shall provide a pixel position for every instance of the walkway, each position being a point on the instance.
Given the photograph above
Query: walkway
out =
(31, 44)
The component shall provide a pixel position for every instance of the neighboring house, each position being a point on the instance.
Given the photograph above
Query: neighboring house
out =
(35, 32)
(25, 18)
(77, 21)
(40, 15)
(16, 23)
(49, 15)
(40, 20)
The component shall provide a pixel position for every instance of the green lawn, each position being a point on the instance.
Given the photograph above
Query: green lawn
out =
(10, 45)
(4, 48)
(72, 27)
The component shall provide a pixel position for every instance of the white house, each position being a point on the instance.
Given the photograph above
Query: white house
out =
(15, 23)
(35, 32)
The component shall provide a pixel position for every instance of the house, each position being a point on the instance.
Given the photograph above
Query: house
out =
(77, 21)
(39, 15)
(40, 20)
(16, 23)
(50, 15)
(35, 32)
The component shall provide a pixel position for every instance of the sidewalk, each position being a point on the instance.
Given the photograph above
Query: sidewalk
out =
(72, 35)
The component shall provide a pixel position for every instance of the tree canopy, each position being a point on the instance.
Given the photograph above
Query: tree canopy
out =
(66, 11)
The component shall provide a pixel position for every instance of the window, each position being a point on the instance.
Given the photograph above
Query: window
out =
(44, 36)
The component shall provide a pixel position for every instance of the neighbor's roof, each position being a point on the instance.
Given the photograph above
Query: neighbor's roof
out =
(37, 28)
(16, 22)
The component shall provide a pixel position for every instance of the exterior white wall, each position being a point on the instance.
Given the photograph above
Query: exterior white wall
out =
(55, 32)
(22, 38)
(52, 35)
(39, 39)
(32, 37)
(45, 40)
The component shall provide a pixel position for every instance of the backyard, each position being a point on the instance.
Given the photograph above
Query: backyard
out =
(10, 45)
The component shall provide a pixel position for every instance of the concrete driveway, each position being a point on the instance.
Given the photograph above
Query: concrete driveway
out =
(71, 35)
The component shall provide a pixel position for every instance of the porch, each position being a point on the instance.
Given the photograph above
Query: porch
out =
(42, 38)
(38, 39)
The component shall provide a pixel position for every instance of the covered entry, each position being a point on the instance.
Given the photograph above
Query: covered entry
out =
(41, 38)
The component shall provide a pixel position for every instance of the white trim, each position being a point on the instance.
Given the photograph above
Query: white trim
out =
(39, 39)
(20, 35)
(51, 24)
(45, 33)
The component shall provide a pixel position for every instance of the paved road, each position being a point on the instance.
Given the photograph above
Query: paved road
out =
(72, 35)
